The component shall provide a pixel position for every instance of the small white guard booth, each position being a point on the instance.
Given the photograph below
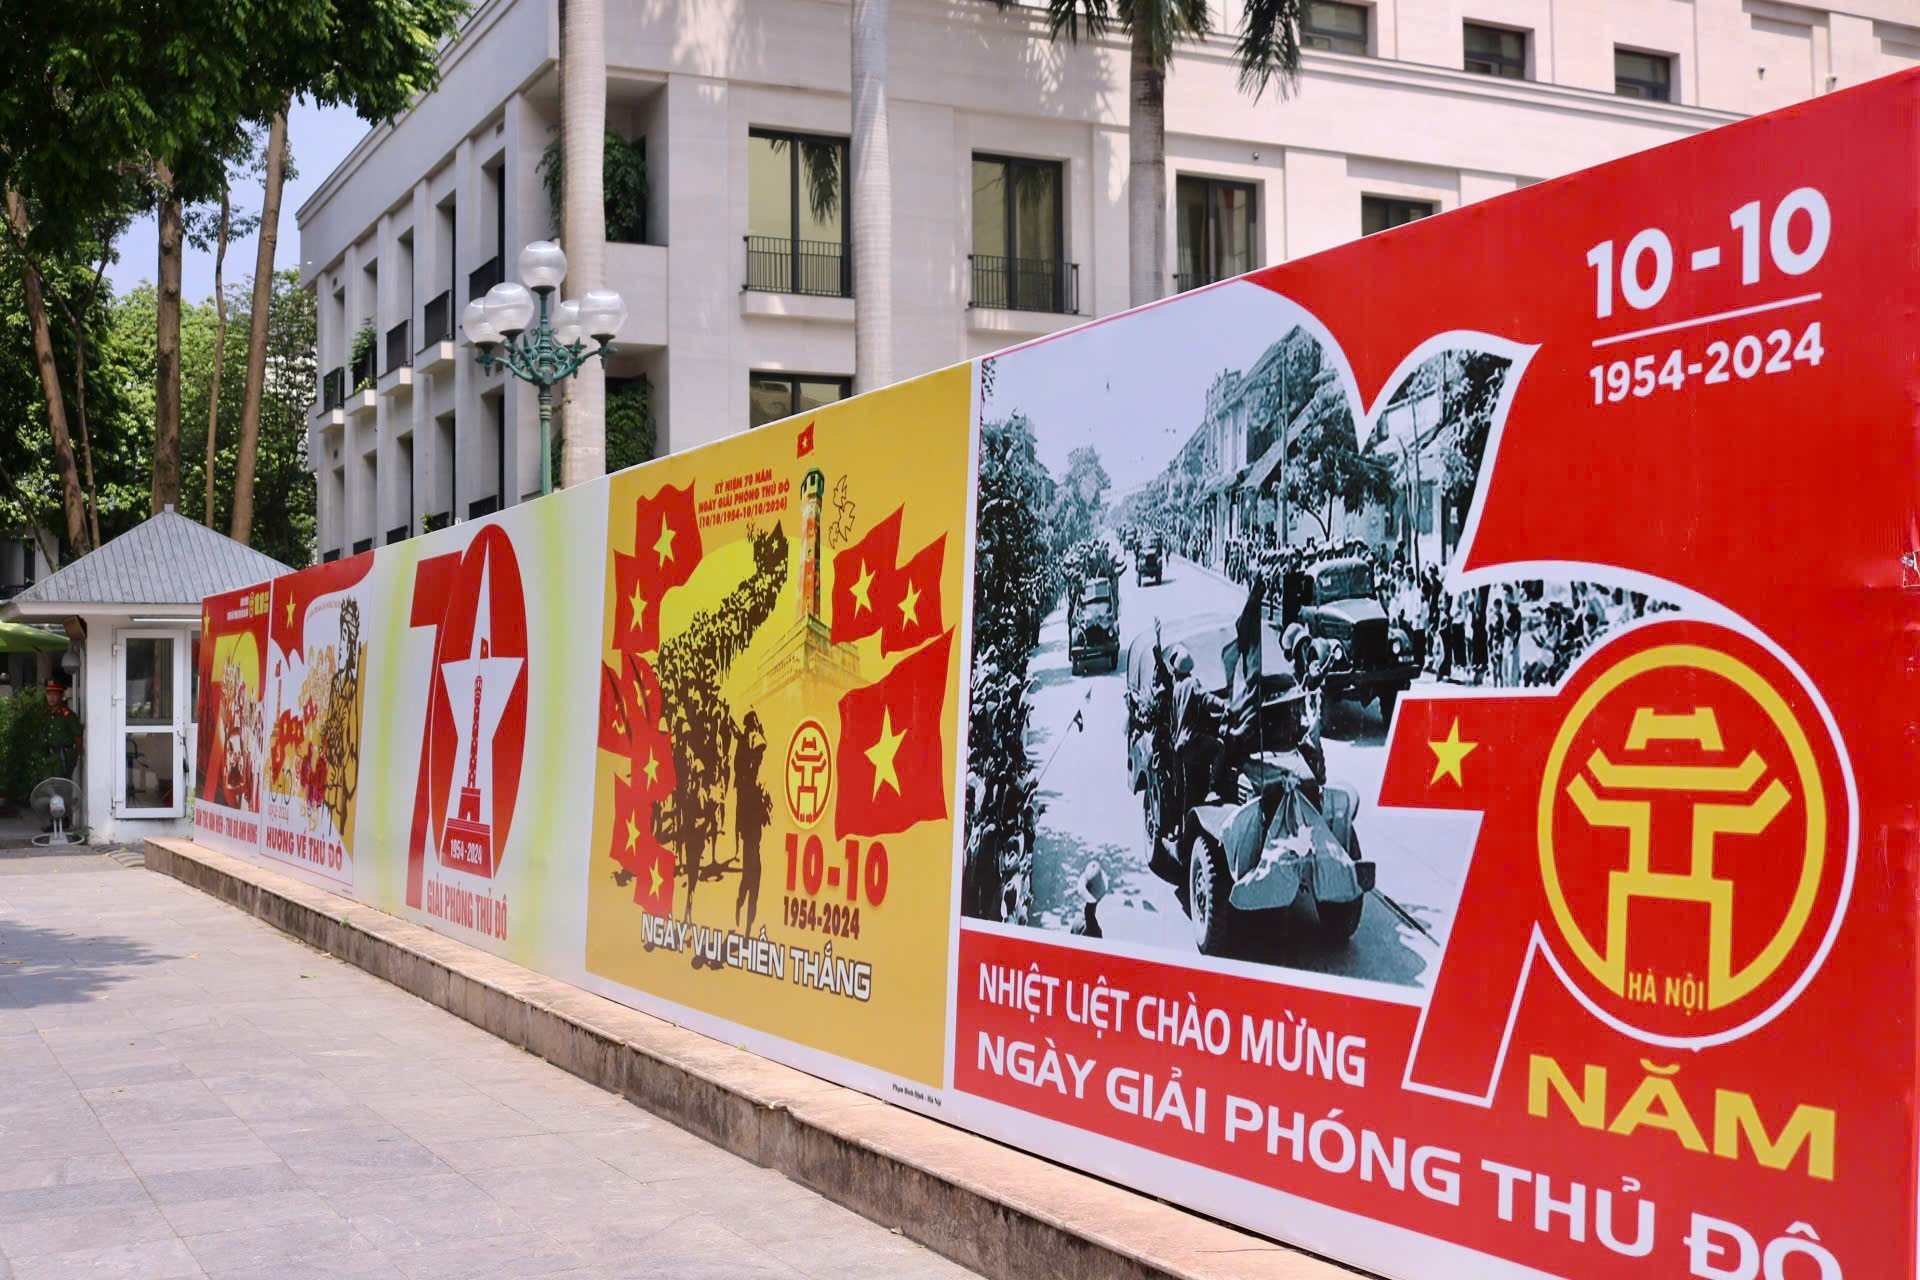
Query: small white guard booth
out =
(133, 607)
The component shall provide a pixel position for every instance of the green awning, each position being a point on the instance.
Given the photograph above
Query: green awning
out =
(18, 637)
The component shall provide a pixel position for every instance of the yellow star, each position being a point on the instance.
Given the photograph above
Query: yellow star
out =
(653, 768)
(639, 605)
(664, 547)
(909, 604)
(289, 610)
(861, 589)
(1448, 752)
(880, 755)
(633, 832)
(654, 877)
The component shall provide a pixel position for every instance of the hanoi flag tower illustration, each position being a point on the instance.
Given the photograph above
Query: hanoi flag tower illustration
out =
(467, 841)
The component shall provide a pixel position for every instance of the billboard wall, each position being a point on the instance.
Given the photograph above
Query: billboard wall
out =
(1406, 751)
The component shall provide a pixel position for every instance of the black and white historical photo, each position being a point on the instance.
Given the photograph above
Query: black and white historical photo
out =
(1204, 579)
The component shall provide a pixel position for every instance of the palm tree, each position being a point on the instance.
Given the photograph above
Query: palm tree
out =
(583, 222)
(871, 200)
(1268, 49)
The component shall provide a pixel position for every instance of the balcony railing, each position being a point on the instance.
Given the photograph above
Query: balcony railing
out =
(438, 520)
(396, 534)
(363, 372)
(1025, 284)
(482, 507)
(333, 389)
(1185, 280)
(818, 268)
(436, 323)
(483, 278)
(399, 349)
(362, 546)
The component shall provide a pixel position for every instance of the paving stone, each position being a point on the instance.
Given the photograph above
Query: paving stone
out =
(282, 1242)
(146, 1260)
(187, 1092)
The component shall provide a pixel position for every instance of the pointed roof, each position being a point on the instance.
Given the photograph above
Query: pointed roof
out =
(165, 559)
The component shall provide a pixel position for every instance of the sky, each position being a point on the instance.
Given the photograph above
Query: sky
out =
(1136, 391)
(318, 139)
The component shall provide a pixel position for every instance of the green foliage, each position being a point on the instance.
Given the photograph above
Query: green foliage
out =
(99, 91)
(119, 407)
(1267, 46)
(24, 763)
(623, 186)
(283, 525)
(364, 340)
(631, 435)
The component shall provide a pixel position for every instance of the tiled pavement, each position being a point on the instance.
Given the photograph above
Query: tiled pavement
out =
(185, 1091)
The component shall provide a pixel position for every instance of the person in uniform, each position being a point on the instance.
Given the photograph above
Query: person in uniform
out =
(752, 810)
(64, 734)
(1196, 716)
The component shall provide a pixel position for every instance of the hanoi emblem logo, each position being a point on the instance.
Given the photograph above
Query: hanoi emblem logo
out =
(809, 781)
(1693, 835)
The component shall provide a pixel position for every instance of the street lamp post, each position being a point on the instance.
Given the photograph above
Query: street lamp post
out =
(518, 327)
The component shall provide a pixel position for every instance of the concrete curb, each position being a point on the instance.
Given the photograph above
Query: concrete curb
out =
(988, 1207)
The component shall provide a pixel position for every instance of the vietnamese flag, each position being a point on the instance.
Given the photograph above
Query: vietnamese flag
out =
(630, 705)
(666, 548)
(890, 755)
(636, 618)
(634, 847)
(858, 573)
(909, 599)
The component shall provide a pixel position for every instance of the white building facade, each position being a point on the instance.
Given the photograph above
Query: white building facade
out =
(1010, 163)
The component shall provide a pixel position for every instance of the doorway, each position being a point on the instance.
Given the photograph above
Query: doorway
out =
(150, 685)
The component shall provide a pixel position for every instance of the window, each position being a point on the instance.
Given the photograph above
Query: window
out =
(1334, 27)
(796, 214)
(1496, 51)
(773, 396)
(1643, 75)
(1018, 243)
(1378, 213)
(1214, 226)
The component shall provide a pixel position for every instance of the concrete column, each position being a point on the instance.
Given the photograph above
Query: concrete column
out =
(469, 224)
(705, 265)
(529, 218)
(1322, 209)
(1723, 55)
(1103, 284)
(929, 275)
(353, 504)
(1853, 51)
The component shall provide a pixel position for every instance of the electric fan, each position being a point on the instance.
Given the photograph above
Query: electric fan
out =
(56, 800)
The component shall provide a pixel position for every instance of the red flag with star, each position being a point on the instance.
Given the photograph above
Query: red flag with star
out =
(890, 754)
(666, 547)
(909, 599)
(636, 849)
(859, 573)
(630, 706)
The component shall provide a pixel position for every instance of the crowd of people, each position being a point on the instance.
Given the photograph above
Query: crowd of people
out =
(1513, 635)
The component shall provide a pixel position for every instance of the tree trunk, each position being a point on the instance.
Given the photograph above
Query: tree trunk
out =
(870, 187)
(71, 501)
(219, 344)
(79, 332)
(1146, 175)
(583, 222)
(241, 527)
(166, 349)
